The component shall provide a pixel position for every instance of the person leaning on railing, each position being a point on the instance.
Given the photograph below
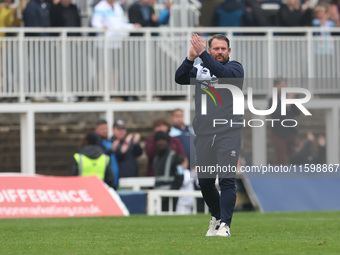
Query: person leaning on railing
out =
(6, 15)
(37, 14)
(143, 13)
(293, 14)
(109, 14)
(65, 14)
(6, 20)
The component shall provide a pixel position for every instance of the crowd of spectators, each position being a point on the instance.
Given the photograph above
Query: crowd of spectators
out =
(142, 13)
(288, 13)
(107, 14)
(112, 158)
(289, 147)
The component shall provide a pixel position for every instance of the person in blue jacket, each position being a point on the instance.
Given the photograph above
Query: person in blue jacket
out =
(181, 131)
(217, 146)
(101, 132)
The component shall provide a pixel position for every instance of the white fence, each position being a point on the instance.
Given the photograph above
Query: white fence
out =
(154, 198)
(155, 201)
(144, 66)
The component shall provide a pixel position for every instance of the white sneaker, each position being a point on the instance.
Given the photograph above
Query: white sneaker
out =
(213, 227)
(223, 231)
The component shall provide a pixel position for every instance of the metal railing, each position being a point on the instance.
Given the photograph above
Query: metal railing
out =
(155, 201)
(144, 66)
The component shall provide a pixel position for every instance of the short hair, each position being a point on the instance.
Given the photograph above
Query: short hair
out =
(321, 7)
(89, 139)
(160, 122)
(176, 110)
(218, 37)
(101, 122)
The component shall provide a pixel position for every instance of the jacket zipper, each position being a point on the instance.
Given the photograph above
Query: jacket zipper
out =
(213, 141)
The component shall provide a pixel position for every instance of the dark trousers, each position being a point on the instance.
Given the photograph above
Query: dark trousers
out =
(218, 151)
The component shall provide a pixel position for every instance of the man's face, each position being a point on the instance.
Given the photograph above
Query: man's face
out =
(177, 118)
(293, 3)
(281, 85)
(102, 130)
(219, 50)
(320, 14)
(65, 3)
(145, 2)
(119, 133)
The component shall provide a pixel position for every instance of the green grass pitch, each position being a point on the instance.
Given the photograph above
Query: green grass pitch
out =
(251, 233)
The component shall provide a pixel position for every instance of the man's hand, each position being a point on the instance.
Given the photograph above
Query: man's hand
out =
(136, 138)
(192, 54)
(128, 138)
(115, 145)
(154, 17)
(197, 44)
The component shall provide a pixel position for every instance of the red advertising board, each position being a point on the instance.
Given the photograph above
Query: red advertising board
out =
(47, 196)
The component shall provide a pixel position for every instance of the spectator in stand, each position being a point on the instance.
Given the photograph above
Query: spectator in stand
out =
(6, 20)
(283, 138)
(127, 149)
(256, 13)
(168, 174)
(333, 10)
(230, 13)
(91, 160)
(163, 15)
(321, 16)
(293, 14)
(151, 149)
(65, 14)
(37, 14)
(6, 15)
(109, 14)
(142, 12)
(302, 153)
(207, 12)
(101, 132)
(180, 130)
(323, 47)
